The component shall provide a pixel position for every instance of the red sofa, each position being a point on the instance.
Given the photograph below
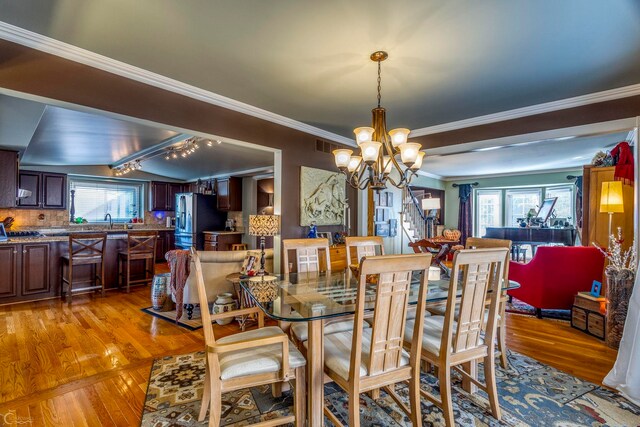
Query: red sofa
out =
(555, 275)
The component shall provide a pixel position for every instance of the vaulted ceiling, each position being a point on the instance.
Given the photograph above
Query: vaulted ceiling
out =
(449, 60)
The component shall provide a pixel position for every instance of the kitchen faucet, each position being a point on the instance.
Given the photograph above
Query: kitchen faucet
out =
(110, 221)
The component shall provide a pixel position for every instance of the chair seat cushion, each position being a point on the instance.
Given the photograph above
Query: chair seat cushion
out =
(301, 329)
(441, 309)
(431, 335)
(256, 359)
(411, 314)
(337, 352)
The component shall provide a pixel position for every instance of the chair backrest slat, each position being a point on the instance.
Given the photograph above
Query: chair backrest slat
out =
(390, 310)
(364, 246)
(308, 254)
(479, 271)
(86, 245)
(141, 242)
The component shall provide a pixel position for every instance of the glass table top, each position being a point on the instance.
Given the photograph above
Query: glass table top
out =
(311, 296)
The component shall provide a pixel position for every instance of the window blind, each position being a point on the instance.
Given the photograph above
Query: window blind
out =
(94, 199)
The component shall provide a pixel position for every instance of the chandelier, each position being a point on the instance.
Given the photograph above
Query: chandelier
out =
(380, 151)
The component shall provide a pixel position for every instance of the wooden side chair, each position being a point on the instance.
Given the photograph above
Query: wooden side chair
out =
(308, 256)
(247, 359)
(486, 243)
(363, 246)
(84, 249)
(366, 359)
(448, 343)
(141, 246)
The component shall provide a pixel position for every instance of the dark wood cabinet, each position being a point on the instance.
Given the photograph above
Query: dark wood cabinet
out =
(229, 194)
(221, 241)
(54, 191)
(163, 195)
(48, 190)
(35, 268)
(30, 181)
(166, 242)
(9, 270)
(8, 178)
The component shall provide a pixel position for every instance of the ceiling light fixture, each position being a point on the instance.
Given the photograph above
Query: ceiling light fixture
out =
(379, 150)
(128, 167)
(186, 147)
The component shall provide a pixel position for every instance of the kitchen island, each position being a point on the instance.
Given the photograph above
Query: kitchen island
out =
(30, 267)
(221, 240)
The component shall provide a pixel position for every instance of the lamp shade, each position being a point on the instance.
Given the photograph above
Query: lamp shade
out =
(264, 225)
(409, 152)
(342, 157)
(431, 203)
(611, 197)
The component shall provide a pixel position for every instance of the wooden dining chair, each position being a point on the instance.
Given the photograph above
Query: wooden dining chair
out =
(366, 359)
(449, 344)
(84, 249)
(247, 359)
(141, 246)
(308, 256)
(501, 333)
(362, 246)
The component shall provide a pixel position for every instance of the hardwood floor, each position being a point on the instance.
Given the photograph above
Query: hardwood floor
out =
(88, 364)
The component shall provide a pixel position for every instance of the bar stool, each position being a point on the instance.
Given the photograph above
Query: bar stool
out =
(84, 249)
(239, 247)
(141, 246)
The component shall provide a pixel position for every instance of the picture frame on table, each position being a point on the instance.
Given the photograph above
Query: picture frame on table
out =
(248, 263)
(326, 235)
(596, 288)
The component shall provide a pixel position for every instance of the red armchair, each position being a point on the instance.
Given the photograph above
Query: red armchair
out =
(555, 275)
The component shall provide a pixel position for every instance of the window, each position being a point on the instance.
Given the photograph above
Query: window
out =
(519, 202)
(488, 210)
(96, 198)
(564, 207)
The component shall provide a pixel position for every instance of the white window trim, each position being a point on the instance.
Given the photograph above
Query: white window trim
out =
(142, 194)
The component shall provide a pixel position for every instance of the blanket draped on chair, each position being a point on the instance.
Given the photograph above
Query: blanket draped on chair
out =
(180, 263)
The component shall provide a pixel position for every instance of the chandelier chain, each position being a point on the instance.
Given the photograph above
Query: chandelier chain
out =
(379, 82)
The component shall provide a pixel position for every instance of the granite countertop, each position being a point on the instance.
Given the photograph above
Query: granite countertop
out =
(62, 234)
(223, 232)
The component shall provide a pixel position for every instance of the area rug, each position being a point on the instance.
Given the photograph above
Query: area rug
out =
(531, 394)
(520, 307)
(170, 316)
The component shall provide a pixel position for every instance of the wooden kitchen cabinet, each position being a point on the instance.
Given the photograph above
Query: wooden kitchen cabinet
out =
(229, 194)
(35, 269)
(163, 195)
(214, 241)
(9, 270)
(48, 190)
(8, 178)
(166, 242)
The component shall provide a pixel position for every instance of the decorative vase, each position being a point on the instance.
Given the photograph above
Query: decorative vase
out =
(160, 292)
(619, 287)
(224, 303)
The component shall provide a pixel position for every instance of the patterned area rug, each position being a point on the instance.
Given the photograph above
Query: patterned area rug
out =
(531, 394)
(519, 307)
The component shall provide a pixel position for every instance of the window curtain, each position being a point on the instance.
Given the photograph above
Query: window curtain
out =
(625, 375)
(579, 204)
(465, 214)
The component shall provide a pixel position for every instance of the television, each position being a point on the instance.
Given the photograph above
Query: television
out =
(546, 209)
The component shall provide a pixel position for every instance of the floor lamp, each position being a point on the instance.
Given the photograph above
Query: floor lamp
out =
(262, 226)
(611, 200)
(429, 204)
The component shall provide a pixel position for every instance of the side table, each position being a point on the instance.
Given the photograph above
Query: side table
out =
(248, 307)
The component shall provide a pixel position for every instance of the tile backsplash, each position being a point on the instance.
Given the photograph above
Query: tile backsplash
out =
(36, 217)
(60, 218)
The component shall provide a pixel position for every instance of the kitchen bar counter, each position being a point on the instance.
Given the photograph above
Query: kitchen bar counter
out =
(62, 235)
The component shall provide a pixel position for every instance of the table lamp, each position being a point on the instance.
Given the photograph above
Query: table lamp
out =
(611, 200)
(427, 205)
(262, 226)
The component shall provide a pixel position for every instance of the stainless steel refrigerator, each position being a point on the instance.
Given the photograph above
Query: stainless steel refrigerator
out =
(196, 213)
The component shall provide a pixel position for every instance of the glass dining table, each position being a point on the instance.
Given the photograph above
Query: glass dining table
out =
(318, 297)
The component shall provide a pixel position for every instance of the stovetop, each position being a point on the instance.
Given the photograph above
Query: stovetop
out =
(23, 234)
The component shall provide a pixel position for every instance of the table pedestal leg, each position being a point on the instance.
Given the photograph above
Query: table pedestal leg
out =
(315, 377)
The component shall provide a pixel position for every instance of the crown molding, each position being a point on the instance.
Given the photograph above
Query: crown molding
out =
(578, 101)
(509, 174)
(73, 53)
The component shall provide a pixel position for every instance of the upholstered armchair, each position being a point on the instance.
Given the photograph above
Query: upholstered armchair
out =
(555, 275)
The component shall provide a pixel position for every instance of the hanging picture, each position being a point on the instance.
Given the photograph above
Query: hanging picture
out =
(323, 197)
